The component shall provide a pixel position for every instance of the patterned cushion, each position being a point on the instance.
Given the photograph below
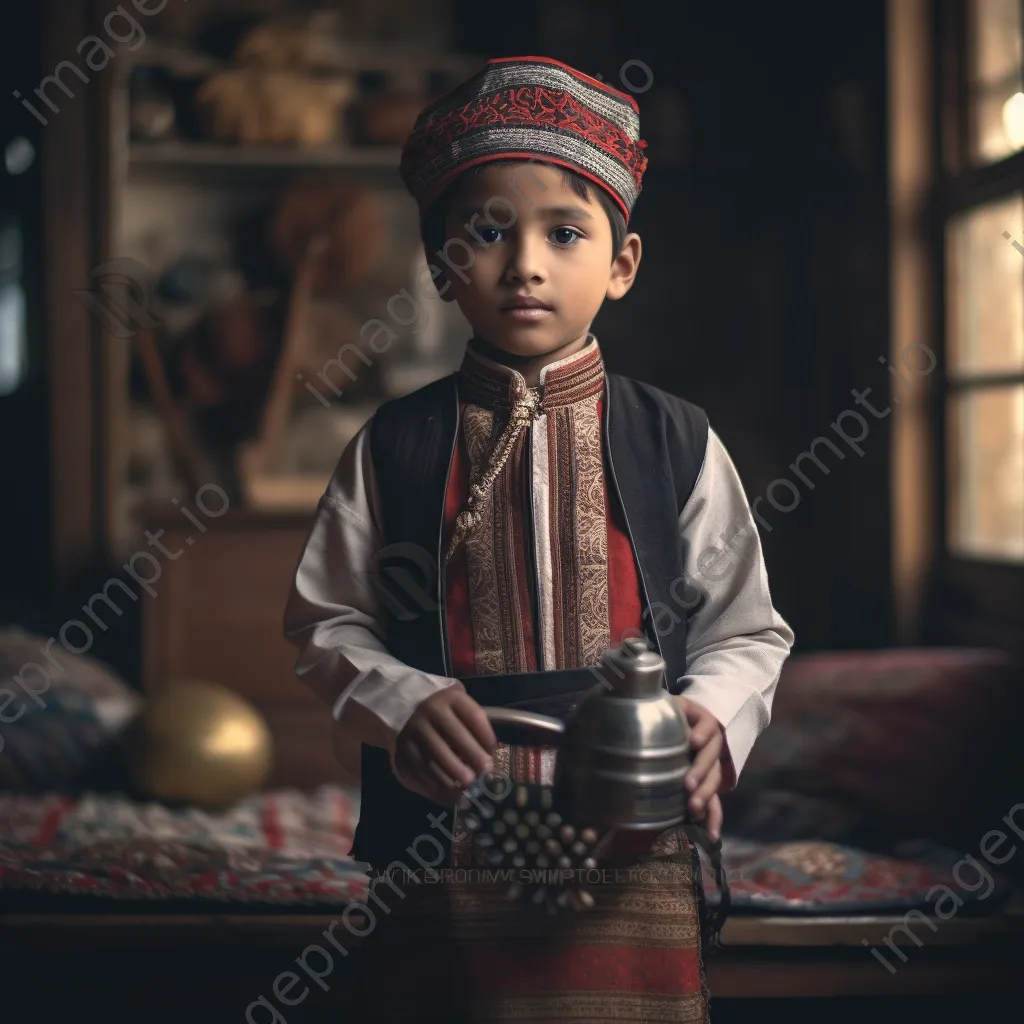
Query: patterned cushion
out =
(281, 847)
(813, 877)
(63, 740)
(867, 748)
(289, 848)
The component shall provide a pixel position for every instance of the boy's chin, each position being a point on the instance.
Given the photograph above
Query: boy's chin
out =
(525, 343)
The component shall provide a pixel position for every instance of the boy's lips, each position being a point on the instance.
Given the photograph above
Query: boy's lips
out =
(526, 307)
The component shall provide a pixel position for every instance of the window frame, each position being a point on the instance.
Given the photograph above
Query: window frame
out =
(974, 598)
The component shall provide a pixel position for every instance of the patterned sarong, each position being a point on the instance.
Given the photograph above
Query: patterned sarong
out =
(456, 950)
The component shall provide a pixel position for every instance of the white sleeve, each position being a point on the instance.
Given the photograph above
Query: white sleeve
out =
(332, 611)
(736, 641)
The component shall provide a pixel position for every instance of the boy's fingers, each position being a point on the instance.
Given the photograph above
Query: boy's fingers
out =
(703, 724)
(694, 712)
(438, 751)
(438, 777)
(704, 729)
(713, 818)
(706, 758)
(711, 784)
(463, 743)
(707, 789)
(475, 718)
(695, 776)
(700, 736)
(418, 771)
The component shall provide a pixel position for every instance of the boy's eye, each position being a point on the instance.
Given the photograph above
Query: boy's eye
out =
(489, 235)
(565, 236)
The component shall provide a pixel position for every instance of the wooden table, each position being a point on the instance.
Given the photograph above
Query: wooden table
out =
(214, 966)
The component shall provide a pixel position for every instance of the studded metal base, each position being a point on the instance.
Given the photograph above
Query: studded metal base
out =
(519, 827)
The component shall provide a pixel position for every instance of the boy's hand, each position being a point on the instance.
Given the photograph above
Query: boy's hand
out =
(445, 746)
(704, 779)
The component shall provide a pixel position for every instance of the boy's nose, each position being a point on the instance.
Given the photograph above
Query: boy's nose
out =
(525, 262)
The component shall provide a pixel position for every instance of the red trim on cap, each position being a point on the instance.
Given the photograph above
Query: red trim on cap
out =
(531, 157)
(572, 71)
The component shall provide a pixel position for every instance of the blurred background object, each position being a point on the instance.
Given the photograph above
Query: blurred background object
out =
(347, 216)
(200, 744)
(68, 738)
(274, 107)
(254, 176)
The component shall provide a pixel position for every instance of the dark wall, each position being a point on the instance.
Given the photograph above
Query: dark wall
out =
(24, 414)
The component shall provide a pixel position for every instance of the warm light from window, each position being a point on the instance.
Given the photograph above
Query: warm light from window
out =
(1013, 120)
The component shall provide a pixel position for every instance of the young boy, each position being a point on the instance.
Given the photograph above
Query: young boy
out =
(518, 518)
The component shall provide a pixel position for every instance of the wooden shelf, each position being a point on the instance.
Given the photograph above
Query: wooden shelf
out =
(347, 59)
(208, 155)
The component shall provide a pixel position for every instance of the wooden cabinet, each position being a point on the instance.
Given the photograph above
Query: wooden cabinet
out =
(218, 616)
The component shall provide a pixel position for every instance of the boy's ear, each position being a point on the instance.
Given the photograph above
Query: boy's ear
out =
(624, 267)
(440, 279)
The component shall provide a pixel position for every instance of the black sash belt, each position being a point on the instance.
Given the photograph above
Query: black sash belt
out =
(554, 693)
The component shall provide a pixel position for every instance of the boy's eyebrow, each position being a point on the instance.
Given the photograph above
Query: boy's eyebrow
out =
(568, 212)
(563, 212)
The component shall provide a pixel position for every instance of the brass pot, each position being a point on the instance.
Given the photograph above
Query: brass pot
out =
(199, 743)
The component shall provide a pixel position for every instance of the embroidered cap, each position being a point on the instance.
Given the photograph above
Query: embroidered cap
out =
(528, 108)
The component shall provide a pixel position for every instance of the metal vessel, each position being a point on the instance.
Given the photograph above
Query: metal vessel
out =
(622, 753)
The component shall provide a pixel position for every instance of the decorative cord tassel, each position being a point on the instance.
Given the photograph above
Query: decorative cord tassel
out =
(526, 409)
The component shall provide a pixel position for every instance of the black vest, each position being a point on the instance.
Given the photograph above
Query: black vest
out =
(654, 450)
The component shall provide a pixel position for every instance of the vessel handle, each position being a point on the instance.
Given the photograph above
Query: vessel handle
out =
(513, 725)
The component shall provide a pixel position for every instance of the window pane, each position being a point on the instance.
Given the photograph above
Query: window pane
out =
(986, 473)
(998, 100)
(999, 124)
(986, 289)
(997, 42)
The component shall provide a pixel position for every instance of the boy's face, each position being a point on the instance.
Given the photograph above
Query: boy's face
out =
(542, 259)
